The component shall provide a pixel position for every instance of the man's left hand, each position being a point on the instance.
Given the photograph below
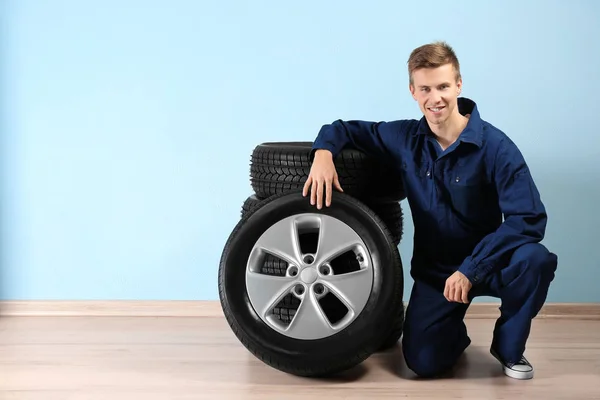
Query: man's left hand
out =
(457, 288)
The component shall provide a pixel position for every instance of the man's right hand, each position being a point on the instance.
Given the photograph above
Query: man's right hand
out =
(322, 176)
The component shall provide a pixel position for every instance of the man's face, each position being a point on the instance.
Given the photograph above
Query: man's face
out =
(436, 91)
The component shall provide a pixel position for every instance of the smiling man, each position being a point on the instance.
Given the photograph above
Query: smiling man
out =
(477, 213)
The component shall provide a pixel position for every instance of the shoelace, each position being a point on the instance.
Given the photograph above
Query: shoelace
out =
(523, 361)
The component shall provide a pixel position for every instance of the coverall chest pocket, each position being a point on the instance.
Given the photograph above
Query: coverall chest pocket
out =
(468, 192)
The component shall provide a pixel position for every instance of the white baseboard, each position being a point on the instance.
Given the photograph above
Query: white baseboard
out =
(175, 308)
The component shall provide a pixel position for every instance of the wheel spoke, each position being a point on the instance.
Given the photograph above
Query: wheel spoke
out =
(265, 291)
(353, 288)
(335, 238)
(310, 321)
(281, 240)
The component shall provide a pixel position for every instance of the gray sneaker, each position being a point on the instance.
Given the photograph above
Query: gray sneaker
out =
(519, 370)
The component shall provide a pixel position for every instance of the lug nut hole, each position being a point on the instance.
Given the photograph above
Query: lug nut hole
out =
(308, 259)
(299, 290)
(325, 270)
(293, 271)
(319, 289)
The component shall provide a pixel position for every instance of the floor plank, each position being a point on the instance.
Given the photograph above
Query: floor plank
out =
(90, 358)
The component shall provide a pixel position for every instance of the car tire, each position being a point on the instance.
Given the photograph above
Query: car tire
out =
(278, 167)
(277, 328)
(249, 205)
(392, 215)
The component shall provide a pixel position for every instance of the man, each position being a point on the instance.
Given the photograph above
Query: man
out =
(461, 175)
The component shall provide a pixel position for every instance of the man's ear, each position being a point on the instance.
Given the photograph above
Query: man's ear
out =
(411, 88)
(458, 86)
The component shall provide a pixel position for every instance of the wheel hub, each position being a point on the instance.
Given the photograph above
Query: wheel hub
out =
(326, 284)
(308, 275)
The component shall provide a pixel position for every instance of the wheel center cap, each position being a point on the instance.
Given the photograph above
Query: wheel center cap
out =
(308, 275)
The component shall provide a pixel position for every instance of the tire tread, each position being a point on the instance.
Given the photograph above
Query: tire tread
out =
(280, 169)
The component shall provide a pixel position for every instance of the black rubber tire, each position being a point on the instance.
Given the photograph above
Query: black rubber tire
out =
(392, 215)
(336, 353)
(397, 331)
(390, 212)
(278, 167)
(249, 205)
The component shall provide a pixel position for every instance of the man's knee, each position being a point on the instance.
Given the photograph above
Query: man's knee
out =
(536, 260)
(425, 362)
(430, 360)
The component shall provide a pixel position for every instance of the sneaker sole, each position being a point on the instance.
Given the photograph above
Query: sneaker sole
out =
(521, 375)
(517, 374)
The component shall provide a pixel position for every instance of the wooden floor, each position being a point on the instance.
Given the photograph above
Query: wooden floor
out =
(91, 358)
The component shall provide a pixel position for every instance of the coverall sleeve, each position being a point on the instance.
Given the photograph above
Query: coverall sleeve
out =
(372, 138)
(524, 213)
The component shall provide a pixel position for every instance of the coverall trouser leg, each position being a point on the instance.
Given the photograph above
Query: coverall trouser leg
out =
(435, 334)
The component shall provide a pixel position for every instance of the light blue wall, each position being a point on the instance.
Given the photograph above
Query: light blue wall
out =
(127, 126)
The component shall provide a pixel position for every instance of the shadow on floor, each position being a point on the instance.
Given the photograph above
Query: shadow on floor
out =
(475, 363)
(389, 365)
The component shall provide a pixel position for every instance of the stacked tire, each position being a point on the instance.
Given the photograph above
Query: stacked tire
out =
(309, 291)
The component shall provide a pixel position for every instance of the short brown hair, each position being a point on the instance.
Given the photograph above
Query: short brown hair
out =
(432, 55)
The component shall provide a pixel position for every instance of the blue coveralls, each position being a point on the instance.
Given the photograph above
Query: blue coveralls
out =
(457, 199)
